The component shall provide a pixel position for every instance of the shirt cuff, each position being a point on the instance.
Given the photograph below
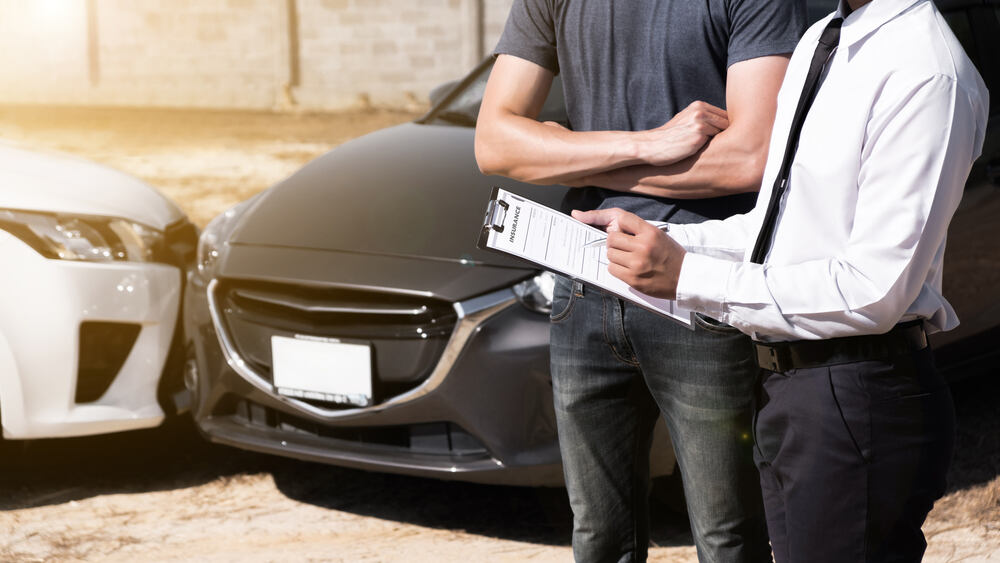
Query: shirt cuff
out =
(702, 284)
(679, 234)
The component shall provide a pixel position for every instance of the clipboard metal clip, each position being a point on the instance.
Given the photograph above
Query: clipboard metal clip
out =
(496, 214)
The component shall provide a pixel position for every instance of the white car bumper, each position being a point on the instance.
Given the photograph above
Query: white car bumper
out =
(42, 305)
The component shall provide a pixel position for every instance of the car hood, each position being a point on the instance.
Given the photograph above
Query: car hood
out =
(60, 183)
(410, 191)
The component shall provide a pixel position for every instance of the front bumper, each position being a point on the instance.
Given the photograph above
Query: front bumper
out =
(43, 304)
(484, 414)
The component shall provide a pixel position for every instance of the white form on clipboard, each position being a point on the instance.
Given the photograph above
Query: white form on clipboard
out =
(555, 241)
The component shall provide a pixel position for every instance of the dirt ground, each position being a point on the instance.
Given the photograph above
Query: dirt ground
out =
(166, 495)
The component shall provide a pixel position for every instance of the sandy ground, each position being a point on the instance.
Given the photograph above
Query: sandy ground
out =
(166, 495)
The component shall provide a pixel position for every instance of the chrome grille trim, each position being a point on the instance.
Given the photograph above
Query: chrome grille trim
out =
(471, 314)
(307, 307)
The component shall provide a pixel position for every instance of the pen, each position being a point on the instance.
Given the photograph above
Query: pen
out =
(601, 242)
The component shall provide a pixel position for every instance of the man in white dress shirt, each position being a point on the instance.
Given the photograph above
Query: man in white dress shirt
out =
(836, 274)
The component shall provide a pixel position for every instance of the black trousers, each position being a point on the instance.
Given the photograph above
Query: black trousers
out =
(852, 458)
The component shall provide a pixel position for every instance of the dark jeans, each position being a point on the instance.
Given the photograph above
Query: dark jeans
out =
(852, 458)
(613, 364)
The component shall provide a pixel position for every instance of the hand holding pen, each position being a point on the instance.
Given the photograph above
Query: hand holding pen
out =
(601, 242)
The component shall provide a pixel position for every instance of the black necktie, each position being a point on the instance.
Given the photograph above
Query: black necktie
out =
(827, 43)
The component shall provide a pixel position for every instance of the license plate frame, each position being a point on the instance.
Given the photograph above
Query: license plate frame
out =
(332, 370)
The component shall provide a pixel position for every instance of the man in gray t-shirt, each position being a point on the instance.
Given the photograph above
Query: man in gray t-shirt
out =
(644, 82)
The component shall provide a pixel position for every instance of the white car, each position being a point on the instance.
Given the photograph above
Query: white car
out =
(91, 264)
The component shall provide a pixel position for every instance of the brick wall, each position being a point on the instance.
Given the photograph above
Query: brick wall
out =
(259, 54)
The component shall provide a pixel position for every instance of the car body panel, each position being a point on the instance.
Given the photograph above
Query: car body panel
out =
(443, 279)
(378, 194)
(46, 303)
(496, 388)
(42, 305)
(58, 183)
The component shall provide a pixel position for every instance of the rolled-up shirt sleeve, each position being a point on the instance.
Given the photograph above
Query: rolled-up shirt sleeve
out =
(914, 164)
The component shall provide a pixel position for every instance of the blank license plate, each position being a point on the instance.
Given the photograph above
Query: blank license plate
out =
(322, 370)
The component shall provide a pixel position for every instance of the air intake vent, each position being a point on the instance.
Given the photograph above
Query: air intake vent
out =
(104, 347)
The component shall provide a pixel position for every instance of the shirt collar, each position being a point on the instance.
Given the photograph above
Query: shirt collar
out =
(866, 19)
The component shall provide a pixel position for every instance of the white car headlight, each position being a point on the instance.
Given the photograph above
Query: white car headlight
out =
(536, 293)
(86, 238)
(215, 235)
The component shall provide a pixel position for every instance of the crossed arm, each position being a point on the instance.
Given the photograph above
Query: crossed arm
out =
(702, 152)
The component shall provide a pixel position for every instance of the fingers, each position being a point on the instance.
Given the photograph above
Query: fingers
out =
(625, 259)
(711, 124)
(719, 123)
(599, 217)
(632, 224)
(708, 108)
(704, 114)
(625, 242)
(620, 272)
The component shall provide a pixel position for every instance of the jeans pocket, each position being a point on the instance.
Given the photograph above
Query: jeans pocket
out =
(564, 295)
(708, 323)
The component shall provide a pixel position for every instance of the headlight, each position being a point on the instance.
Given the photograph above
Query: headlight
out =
(536, 293)
(216, 234)
(87, 238)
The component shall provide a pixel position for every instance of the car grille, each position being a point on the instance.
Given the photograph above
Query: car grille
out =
(407, 334)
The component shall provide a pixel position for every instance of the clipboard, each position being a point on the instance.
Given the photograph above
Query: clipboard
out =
(551, 240)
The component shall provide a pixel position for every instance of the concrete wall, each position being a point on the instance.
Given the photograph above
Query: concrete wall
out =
(254, 54)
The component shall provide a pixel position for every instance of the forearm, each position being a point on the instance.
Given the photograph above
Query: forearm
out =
(511, 142)
(730, 163)
(527, 150)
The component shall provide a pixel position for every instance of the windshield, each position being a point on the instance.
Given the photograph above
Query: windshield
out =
(462, 106)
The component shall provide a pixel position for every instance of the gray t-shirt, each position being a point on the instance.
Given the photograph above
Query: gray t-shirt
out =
(630, 65)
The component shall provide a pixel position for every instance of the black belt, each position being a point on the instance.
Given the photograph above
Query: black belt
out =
(784, 356)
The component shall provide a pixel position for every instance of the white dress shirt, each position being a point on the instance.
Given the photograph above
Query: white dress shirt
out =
(882, 161)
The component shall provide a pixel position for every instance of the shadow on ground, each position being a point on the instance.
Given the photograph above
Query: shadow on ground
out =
(536, 515)
(48, 472)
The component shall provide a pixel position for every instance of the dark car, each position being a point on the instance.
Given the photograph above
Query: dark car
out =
(346, 316)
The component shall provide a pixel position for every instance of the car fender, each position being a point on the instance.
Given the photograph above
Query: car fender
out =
(11, 394)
